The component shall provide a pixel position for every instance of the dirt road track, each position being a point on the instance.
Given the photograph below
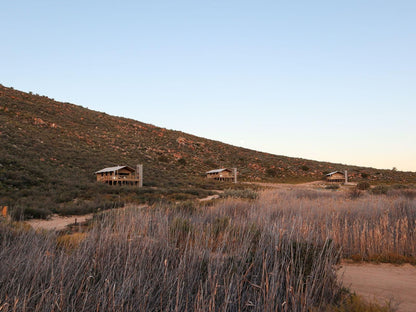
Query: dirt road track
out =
(382, 282)
(57, 222)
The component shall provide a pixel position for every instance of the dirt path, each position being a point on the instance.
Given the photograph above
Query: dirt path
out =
(313, 184)
(209, 198)
(57, 223)
(382, 282)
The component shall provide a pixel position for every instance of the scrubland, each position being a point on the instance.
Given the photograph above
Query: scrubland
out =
(277, 251)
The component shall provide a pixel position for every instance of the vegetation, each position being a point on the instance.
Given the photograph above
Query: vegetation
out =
(244, 193)
(363, 185)
(278, 252)
(367, 227)
(50, 151)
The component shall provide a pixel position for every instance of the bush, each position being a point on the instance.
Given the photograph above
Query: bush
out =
(242, 194)
(163, 158)
(24, 213)
(305, 168)
(363, 186)
(332, 187)
(354, 193)
(182, 161)
(271, 172)
(380, 190)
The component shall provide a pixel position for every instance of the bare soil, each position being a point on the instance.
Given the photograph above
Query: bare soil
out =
(382, 283)
(57, 223)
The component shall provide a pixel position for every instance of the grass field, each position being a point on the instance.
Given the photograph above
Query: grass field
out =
(278, 252)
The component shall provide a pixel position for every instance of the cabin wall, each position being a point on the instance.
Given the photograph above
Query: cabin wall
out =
(120, 177)
(224, 175)
(336, 177)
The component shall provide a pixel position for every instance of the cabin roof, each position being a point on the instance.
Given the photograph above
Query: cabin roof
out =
(112, 169)
(332, 173)
(218, 170)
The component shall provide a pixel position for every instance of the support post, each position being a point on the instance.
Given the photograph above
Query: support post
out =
(346, 176)
(235, 175)
(139, 174)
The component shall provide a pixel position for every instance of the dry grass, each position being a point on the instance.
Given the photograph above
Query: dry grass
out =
(277, 253)
(371, 226)
(159, 260)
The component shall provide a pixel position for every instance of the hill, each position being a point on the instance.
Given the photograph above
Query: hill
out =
(49, 151)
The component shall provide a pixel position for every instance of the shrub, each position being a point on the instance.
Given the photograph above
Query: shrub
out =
(271, 172)
(182, 161)
(305, 168)
(242, 194)
(354, 193)
(363, 186)
(23, 213)
(332, 187)
(380, 190)
(163, 158)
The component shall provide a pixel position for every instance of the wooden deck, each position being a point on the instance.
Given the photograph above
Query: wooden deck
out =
(119, 180)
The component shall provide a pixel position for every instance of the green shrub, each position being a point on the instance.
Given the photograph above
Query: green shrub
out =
(271, 172)
(37, 213)
(332, 187)
(363, 186)
(305, 168)
(243, 194)
(380, 190)
(182, 161)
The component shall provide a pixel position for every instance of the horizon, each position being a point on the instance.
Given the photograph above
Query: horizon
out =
(319, 81)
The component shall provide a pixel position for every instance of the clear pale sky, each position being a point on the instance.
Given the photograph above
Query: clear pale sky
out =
(323, 80)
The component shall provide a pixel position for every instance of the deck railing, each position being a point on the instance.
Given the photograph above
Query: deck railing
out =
(117, 178)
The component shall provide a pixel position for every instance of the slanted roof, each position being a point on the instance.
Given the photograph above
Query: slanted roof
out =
(332, 173)
(112, 169)
(218, 170)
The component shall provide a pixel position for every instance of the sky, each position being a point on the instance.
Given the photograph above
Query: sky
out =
(324, 80)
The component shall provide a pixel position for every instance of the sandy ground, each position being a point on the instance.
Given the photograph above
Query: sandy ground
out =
(209, 198)
(382, 282)
(57, 223)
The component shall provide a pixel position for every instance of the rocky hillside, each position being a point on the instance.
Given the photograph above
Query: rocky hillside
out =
(49, 151)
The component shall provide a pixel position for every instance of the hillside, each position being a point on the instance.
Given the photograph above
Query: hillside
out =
(49, 151)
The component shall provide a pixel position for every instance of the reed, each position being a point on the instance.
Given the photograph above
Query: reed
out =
(276, 253)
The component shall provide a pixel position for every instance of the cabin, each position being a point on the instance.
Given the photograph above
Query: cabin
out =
(223, 174)
(120, 175)
(337, 176)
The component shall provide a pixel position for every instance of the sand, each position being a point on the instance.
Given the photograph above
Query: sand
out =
(382, 283)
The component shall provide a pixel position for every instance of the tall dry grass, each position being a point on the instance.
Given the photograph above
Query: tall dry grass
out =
(277, 253)
(163, 259)
(370, 226)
